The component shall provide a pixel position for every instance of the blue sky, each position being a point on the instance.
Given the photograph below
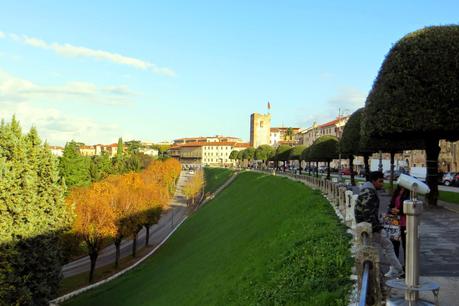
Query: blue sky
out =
(97, 70)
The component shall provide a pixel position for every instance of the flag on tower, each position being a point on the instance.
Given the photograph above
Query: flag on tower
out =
(269, 105)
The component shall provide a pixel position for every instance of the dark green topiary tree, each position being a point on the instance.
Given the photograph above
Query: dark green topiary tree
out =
(248, 154)
(350, 142)
(305, 156)
(295, 153)
(264, 153)
(416, 94)
(33, 215)
(325, 149)
(281, 154)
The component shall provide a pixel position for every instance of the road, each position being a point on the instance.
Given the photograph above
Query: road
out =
(158, 232)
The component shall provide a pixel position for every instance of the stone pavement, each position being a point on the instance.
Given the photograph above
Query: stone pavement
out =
(439, 248)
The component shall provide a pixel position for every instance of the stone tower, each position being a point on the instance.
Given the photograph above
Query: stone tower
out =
(260, 128)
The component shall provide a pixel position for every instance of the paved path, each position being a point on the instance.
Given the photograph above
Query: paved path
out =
(439, 240)
(158, 232)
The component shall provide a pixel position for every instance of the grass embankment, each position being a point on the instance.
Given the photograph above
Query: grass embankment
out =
(263, 240)
(449, 196)
(215, 177)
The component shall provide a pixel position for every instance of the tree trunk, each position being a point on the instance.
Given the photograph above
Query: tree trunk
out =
(392, 157)
(367, 166)
(432, 151)
(328, 170)
(147, 237)
(134, 244)
(309, 168)
(351, 167)
(317, 169)
(118, 252)
(299, 164)
(93, 257)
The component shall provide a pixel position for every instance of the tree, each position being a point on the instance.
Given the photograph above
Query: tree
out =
(233, 154)
(133, 146)
(95, 217)
(240, 157)
(325, 149)
(73, 167)
(248, 154)
(305, 155)
(350, 143)
(295, 153)
(119, 159)
(131, 163)
(162, 148)
(100, 167)
(194, 186)
(33, 216)
(415, 93)
(281, 154)
(289, 135)
(160, 179)
(264, 153)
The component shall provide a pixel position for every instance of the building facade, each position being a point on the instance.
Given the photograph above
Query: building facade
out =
(212, 153)
(260, 129)
(216, 138)
(283, 135)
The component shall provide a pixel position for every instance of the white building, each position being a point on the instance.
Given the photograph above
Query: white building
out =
(57, 151)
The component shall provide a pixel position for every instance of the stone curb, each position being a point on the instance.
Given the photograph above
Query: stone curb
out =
(72, 294)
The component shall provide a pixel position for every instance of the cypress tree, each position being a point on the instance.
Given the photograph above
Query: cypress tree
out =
(33, 215)
(74, 167)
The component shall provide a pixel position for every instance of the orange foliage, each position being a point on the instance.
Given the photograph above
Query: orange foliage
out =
(120, 205)
(194, 186)
(164, 173)
(95, 218)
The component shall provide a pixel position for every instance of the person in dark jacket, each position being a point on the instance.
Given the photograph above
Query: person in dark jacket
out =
(396, 208)
(367, 210)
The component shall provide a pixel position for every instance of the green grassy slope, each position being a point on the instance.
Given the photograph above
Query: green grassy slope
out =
(264, 240)
(215, 177)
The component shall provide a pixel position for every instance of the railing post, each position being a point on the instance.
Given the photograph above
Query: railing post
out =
(367, 256)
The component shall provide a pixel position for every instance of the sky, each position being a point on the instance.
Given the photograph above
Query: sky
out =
(94, 71)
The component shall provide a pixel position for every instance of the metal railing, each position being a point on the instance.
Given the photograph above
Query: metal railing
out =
(365, 274)
(364, 289)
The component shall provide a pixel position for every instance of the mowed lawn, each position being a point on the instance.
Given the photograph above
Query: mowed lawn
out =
(264, 240)
(215, 177)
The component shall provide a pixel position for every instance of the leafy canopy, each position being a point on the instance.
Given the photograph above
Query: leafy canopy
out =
(325, 148)
(416, 93)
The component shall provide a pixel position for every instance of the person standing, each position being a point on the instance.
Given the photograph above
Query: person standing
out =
(367, 210)
(396, 208)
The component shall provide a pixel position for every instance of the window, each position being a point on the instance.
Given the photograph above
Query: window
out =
(261, 124)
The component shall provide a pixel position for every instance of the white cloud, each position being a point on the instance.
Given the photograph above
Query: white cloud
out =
(345, 101)
(348, 98)
(58, 128)
(78, 51)
(16, 89)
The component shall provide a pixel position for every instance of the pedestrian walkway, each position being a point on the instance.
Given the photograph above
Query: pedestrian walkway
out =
(439, 258)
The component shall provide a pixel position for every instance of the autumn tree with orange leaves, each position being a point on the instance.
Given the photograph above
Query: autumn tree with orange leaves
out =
(119, 206)
(194, 186)
(95, 218)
